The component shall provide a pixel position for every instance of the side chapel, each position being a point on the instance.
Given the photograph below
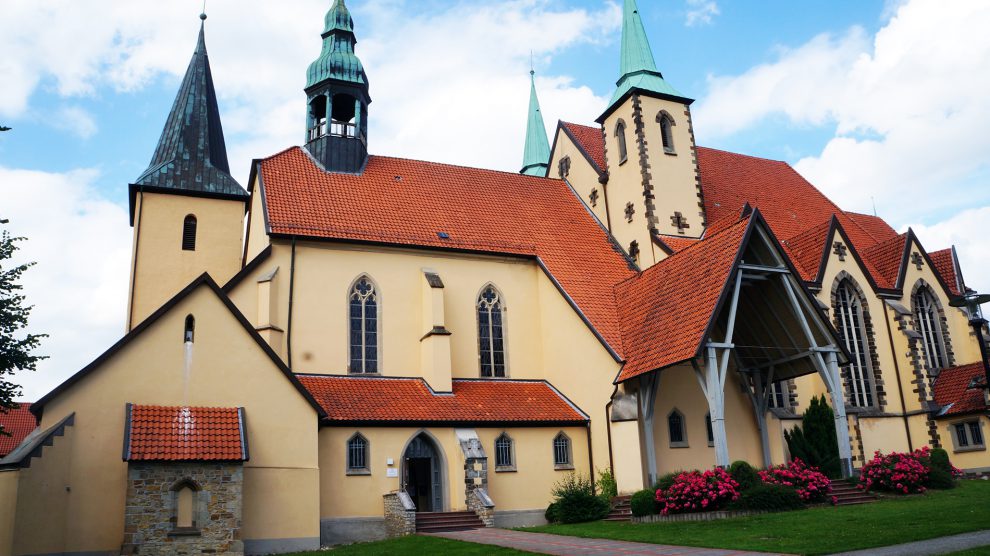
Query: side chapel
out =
(357, 346)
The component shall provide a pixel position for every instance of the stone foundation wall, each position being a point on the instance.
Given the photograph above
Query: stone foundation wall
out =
(400, 514)
(151, 514)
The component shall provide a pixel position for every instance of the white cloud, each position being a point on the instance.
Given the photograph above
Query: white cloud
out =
(81, 244)
(908, 106)
(77, 121)
(701, 12)
(968, 232)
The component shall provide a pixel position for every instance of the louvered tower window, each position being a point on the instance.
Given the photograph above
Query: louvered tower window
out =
(189, 233)
(620, 137)
(849, 315)
(363, 316)
(491, 342)
(928, 323)
(667, 132)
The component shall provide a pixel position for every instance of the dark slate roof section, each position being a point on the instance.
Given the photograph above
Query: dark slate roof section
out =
(191, 154)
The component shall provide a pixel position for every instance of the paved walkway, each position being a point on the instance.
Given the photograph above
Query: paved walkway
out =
(566, 546)
(941, 545)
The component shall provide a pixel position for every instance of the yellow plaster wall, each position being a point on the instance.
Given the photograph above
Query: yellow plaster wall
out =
(45, 492)
(344, 495)
(228, 369)
(582, 176)
(8, 509)
(886, 434)
(163, 268)
(257, 239)
(626, 457)
(963, 459)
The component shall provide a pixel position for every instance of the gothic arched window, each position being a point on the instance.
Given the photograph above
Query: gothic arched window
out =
(666, 131)
(928, 323)
(562, 451)
(189, 233)
(357, 454)
(677, 430)
(850, 318)
(620, 137)
(504, 453)
(189, 335)
(363, 320)
(491, 330)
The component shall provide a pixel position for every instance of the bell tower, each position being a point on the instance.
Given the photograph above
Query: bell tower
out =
(654, 183)
(186, 209)
(338, 99)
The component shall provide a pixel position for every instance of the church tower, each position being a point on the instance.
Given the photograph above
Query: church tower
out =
(186, 209)
(338, 99)
(536, 154)
(654, 183)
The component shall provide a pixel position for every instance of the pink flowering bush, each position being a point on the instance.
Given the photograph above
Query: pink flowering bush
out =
(903, 473)
(811, 484)
(696, 491)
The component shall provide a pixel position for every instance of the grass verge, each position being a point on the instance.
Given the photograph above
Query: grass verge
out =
(418, 545)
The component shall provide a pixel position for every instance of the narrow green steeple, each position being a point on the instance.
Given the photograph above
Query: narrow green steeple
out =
(637, 66)
(536, 154)
(337, 60)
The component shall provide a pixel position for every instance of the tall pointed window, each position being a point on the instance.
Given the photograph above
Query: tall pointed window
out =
(504, 453)
(189, 336)
(490, 333)
(928, 323)
(620, 138)
(357, 455)
(189, 233)
(363, 327)
(562, 452)
(676, 429)
(849, 315)
(666, 132)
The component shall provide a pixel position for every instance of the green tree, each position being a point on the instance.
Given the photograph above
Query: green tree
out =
(16, 348)
(814, 442)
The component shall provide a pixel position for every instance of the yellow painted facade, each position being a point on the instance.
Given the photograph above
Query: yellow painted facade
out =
(8, 510)
(581, 175)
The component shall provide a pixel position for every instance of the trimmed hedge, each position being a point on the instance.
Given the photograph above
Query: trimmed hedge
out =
(551, 514)
(769, 498)
(643, 503)
(744, 474)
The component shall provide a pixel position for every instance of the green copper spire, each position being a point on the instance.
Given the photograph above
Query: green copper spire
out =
(337, 60)
(638, 68)
(536, 155)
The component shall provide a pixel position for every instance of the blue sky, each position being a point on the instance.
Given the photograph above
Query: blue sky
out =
(873, 101)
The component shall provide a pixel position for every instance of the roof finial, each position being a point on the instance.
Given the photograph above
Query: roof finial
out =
(532, 69)
(202, 15)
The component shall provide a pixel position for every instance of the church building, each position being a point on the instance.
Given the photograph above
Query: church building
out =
(351, 346)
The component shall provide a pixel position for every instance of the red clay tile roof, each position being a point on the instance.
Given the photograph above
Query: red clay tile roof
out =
(953, 387)
(19, 422)
(677, 243)
(945, 265)
(409, 202)
(875, 227)
(590, 139)
(156, 433)
(806, 248)
(382, 399)
(886, 258)
(666, 310)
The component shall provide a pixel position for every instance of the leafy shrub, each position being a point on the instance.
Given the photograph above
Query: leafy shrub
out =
(607, 487)
(576, 502)
(643, 503)
(666, 481)
(697, 491)
(744, 474)
(942, 474)
(902, 473)
(551, 514)
(810, 484)
(939, 478)
(814, 442)
(768, 498)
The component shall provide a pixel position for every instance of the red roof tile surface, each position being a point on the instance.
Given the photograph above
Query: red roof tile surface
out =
(409, 202)
(944, 262)
(677, 243)
(348, 398)
(590, 139)
(156, 433)
(666, 310)
(19, 423)
(886, 258)
(953, 387)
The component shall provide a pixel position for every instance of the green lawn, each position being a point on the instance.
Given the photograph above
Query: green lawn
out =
(415, 544)
(817, 531)
(982, 551)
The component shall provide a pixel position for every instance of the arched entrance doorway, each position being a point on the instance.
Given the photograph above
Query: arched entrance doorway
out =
(423, 473)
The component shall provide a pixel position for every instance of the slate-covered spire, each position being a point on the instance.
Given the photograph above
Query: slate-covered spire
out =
(637, 67)
(191, 154)
(536, 154)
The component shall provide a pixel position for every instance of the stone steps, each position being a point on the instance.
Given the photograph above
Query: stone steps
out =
(429, 522)
(621, 510)
(849, 494)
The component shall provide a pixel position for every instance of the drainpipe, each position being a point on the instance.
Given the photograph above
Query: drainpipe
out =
(292, 288)
(897, 373)
(608, 429)
(591, 458)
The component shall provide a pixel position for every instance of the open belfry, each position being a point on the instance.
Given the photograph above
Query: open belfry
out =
(351, 346)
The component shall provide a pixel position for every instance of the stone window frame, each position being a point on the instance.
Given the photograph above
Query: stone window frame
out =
(503, 310)
(667, 132)
(683, 442)
(378, 326)
(564, 167)
(943, 341)
(562, 445)
(357, 471)
(198, 510)
(872, 393)
(709, 430)
(190, 225)
(970, 445)
(511, 466)
(620, 140)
